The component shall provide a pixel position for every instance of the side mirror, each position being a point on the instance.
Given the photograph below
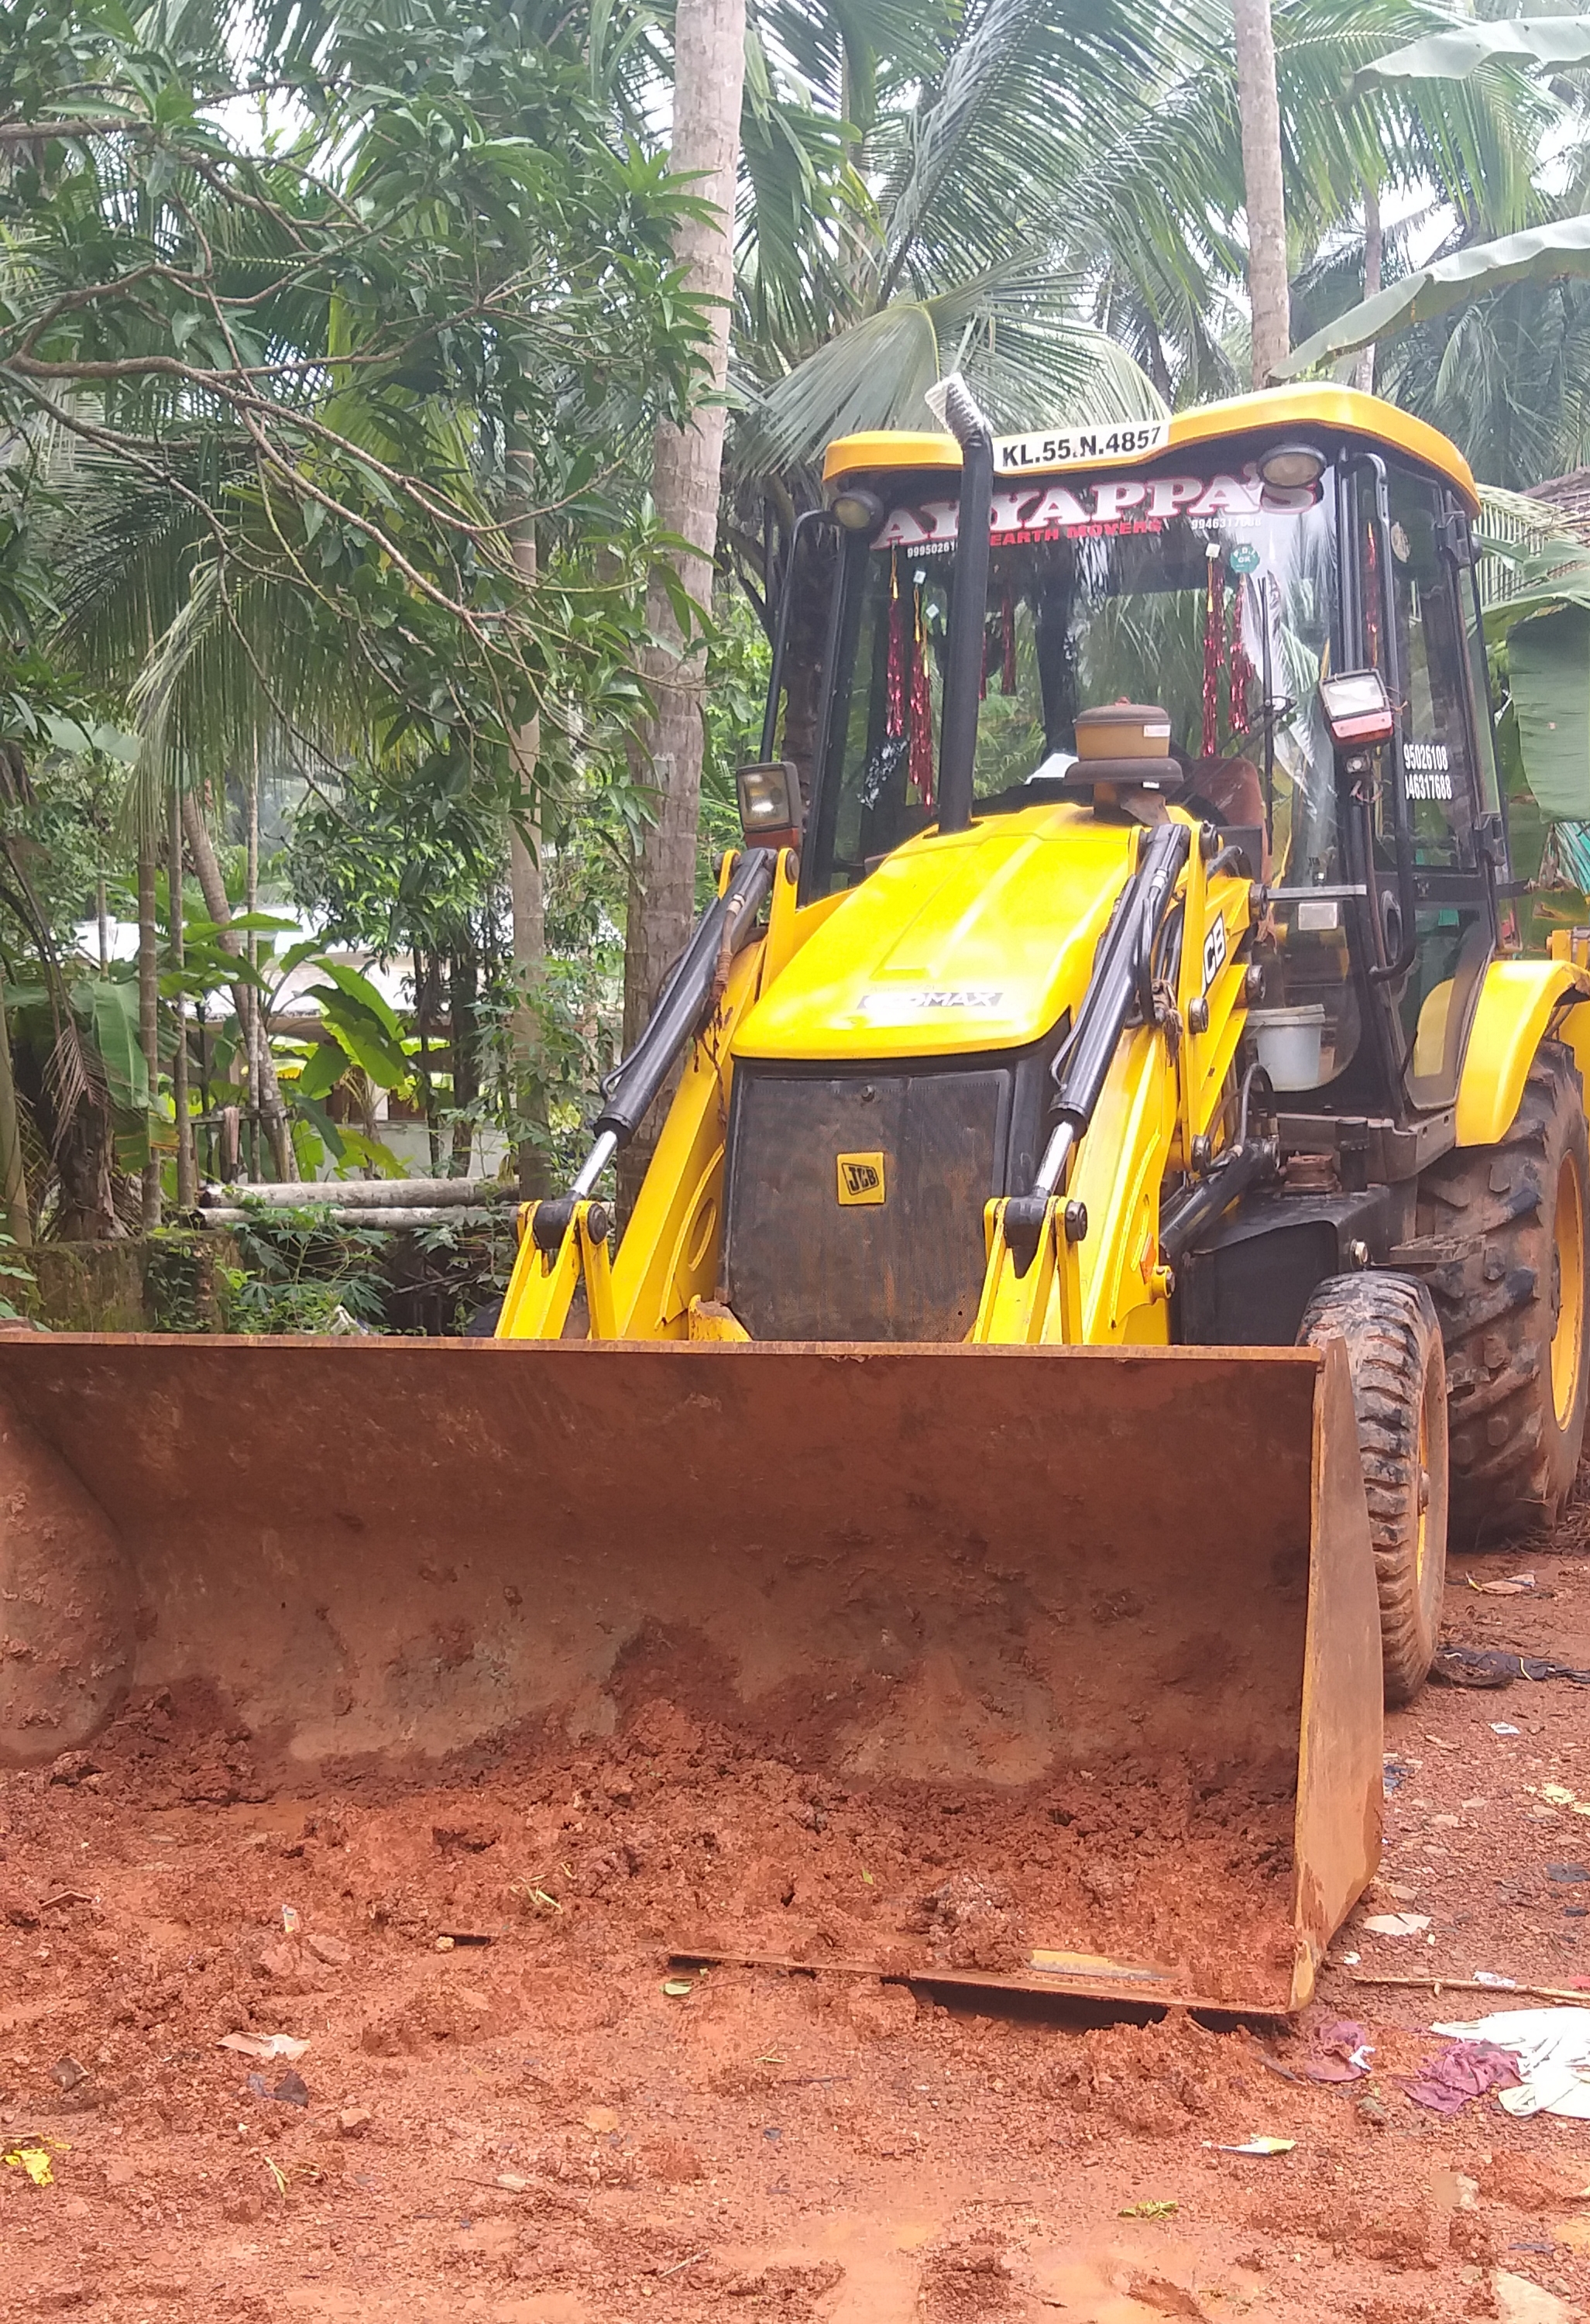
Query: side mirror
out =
(772, 813)
(1357, 709)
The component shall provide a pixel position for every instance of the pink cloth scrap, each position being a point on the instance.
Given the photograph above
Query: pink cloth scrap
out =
(1467, 2070)
(1340, 2052)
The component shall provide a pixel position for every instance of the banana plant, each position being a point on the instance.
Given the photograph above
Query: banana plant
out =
(1555, 245)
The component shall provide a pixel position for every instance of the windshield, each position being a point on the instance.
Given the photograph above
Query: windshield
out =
(1206, 594)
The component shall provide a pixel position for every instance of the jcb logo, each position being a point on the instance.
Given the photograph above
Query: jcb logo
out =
(861, 1179)
(1214, 951)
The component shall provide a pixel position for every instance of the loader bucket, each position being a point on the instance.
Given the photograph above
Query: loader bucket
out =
(1088, 1636)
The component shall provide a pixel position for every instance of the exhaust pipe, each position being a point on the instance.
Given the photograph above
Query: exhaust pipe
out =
(964, 663)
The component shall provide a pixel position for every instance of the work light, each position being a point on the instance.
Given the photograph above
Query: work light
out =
(1290, 466)
(771, 810)
(1357, 709)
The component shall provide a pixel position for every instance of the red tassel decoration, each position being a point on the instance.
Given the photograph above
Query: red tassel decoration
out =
(894, 724)
(1214, 652)
(1243, 672)
(1008, 630)
(920, 755)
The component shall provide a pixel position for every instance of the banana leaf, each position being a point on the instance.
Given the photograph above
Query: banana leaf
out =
(1548, 665)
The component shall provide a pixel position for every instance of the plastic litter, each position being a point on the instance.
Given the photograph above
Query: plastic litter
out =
(1262, 2145)
(1498, 1666)
(1340, 2052)
(32, 2160)
(263, 2047)
(1397, 1924)
(1514, 1587)
(1551, 2049)
(1149, 2211)
(1501, 1726)
(1492, 1977)
(1469, 2069)
(678, 1988)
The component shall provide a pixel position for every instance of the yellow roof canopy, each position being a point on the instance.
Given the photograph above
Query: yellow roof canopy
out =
(1336, 410)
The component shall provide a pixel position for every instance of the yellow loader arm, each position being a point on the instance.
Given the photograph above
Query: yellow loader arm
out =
(1078, 1262)
(666, 1265)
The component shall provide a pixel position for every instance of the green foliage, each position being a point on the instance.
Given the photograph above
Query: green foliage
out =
(298, 1269)
(739, 662)
(16, 1278)
(1541, 255)
(1488, 337)
(311, 384)
(182, 1289)
(1454, 55)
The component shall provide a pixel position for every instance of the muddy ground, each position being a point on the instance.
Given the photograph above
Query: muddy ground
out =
(512, 2110)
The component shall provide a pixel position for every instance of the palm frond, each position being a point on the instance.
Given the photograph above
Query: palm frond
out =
(1017, 334)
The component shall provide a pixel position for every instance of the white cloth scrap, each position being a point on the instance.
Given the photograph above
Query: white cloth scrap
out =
(1552, 2047)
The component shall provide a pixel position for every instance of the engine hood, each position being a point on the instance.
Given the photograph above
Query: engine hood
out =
(974, 941)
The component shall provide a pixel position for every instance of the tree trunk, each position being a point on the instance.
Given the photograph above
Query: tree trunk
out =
(529, 917)
(256, 1036)
(14, 1182)
(423, 981)
(186, 1183)
(1373, 267)
(466, 1081)
(212, 889)
(149, 1022)
(709, 70)
(1265, 196)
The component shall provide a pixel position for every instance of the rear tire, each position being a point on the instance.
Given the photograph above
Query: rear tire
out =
(1399, 1375)
(1511, 1297)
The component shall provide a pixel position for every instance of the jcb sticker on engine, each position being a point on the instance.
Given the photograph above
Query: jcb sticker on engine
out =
(861, 1179)
(1214, 951)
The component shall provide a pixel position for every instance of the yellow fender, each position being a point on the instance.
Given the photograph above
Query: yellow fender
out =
(1517, 1002)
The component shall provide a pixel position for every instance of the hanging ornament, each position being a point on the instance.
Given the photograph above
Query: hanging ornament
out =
(920, 759)
(1243, 673)
(894, 724)
(1008, 642)
(1214, 650)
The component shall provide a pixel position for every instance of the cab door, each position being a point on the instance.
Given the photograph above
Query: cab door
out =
(1439, 779)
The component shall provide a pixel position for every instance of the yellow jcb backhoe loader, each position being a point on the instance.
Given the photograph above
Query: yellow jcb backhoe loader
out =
(1122, 1206)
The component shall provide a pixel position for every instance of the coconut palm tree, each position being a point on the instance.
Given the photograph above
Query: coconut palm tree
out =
(1488, 337)
(1264, 188)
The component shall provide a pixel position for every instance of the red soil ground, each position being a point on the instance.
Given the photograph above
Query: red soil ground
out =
(511, 2118)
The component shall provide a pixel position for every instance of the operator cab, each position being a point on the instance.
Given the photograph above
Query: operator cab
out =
(1217, 581)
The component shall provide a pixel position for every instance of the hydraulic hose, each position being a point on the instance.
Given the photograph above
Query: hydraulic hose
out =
(1241, 1167)
(1116, 986)
(630, 1089)
(724, 928)
(1112, 996)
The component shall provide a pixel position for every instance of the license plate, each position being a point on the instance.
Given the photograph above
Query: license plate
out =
(1088, 439)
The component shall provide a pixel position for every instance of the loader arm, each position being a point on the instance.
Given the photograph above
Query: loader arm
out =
(1078, 1260)
(669, 1258)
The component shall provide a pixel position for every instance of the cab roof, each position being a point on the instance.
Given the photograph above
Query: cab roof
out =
(1334, 411)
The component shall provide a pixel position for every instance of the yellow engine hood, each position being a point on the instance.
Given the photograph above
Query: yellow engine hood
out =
(974, 941)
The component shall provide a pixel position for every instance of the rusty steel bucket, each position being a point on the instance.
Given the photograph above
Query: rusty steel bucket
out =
(1027, 1578)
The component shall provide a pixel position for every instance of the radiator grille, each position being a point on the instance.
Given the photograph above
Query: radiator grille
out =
(801, 1265)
